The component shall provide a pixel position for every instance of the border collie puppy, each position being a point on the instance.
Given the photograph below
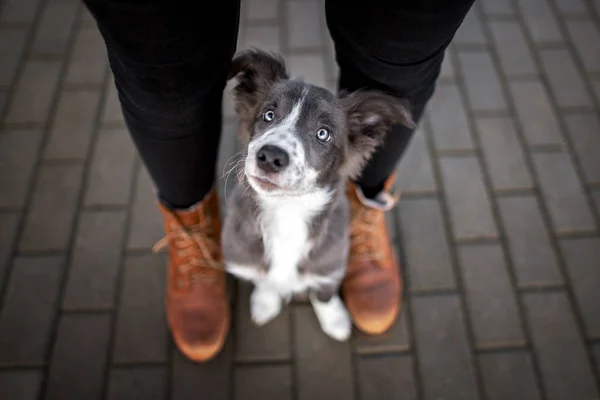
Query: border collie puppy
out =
(286, 225)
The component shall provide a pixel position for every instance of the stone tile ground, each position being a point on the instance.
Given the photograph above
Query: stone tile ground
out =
(498, 228)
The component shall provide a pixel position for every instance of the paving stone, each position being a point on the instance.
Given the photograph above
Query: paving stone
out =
(18, 152)
(563, 193)
(146, 226)
(228, 102)
(447, 70)
(512, 48)
(495, 7)
(448, 118)
(445, 363)
(503, 154)
(262, 9)
(112, 113)
(112, 169)
(242, 25)
(29, 309)
(540, 21)
(560, 351)
(263, 37)
(304, 28)
(533, 258)
(226, 163)
(141, 334)
(581, 259)
(49, 220)
(571, 6)
(332, 68)
(54, 29)
(309, 67)
(583, 130)
(3, 100)
(86, 17)
(34, 92)
(12, 43)
(481, 81)
(89, 60)
(467, 198)
(20, 384)
(9, 223)
(415, 173)
(470, 31)
(79, 358)
(508, 376)
(96, 260)
(596, 88)
(264, 382)
(73, 125)
(211, 379)
(566, 83)
(428, 261)
(395, 339)
(491, 300)
(148, 383)
(260, 343)
(386, 377)
(537, 116)
(323, 365)
(586, 37)
(596, 351)
(18, 11)
(595, 197)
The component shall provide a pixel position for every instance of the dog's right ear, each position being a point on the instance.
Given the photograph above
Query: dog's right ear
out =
(257, 71)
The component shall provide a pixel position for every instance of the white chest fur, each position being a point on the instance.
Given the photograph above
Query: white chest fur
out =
(285, 228)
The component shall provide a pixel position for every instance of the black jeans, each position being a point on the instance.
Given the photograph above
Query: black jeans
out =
(170, 61)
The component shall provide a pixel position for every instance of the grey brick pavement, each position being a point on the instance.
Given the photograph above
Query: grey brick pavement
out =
(498, 228)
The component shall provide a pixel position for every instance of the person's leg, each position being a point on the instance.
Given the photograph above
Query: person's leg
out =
(398, 47)
(170, 62)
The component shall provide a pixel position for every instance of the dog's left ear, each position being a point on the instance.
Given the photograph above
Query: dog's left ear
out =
(371, 115)
(256, 70)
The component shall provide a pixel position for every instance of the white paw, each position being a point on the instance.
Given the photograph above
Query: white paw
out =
(265, 304)
(333, 317)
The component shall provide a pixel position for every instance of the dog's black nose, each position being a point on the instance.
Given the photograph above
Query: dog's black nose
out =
(271, 158)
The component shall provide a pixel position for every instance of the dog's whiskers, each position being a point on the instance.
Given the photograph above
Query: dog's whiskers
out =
(231, 162)
(235, 167)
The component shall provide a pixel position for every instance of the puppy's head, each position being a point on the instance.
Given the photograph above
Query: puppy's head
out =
(301, 137)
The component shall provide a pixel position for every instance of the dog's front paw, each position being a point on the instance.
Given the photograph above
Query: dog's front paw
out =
(265, 304)
(333, 318)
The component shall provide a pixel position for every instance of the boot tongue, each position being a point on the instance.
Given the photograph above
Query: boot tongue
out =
(187, 216)
(198, 212)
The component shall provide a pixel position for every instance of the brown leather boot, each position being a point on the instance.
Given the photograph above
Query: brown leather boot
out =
(372, 286)
(197, 305)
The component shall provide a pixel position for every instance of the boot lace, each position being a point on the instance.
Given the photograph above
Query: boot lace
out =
(364, 241)
(197, 245)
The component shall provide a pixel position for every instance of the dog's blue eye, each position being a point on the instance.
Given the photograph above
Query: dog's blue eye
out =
(323, 135)
(268, 116)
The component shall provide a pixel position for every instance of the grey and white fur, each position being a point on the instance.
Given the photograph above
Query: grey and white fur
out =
(286, 225)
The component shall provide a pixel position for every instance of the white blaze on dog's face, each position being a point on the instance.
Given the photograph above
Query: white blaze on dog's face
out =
(297, 141)
(302, 137)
